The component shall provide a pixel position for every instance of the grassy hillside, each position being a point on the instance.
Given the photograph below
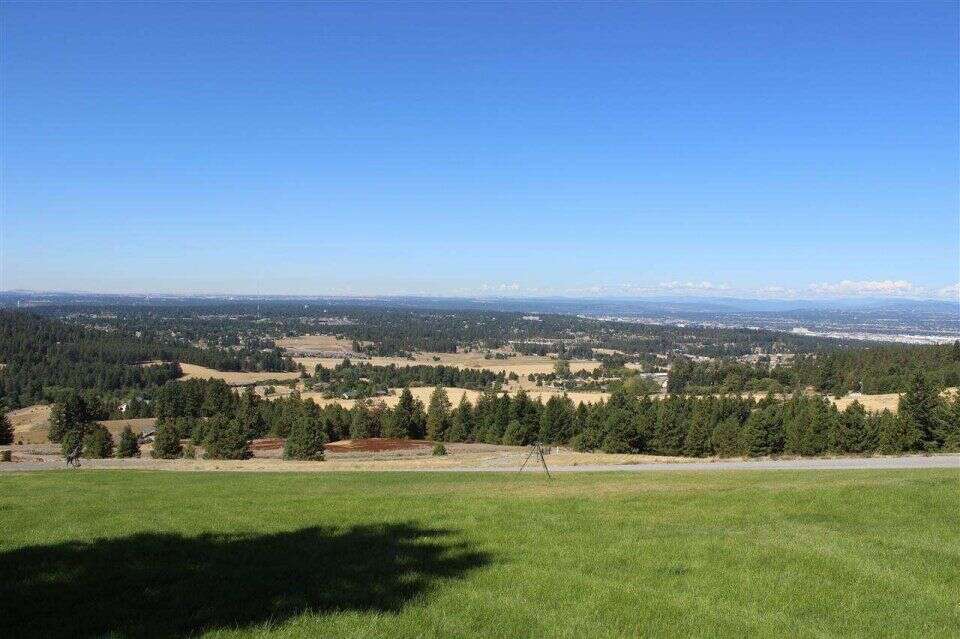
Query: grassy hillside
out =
(444, 555)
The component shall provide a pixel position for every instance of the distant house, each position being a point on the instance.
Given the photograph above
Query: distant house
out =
(147, 433)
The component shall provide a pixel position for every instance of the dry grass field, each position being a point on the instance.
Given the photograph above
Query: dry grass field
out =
(521, 365)
(422, 393)
(30, 424)
(193, 371)
(318, 342)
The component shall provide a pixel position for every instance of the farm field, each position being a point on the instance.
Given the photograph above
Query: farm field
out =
(194, 371)
(785, 553)
(522, 365)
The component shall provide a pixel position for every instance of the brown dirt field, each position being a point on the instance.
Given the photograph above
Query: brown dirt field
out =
(192, 371)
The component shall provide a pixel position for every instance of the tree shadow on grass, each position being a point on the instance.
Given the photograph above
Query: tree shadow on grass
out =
(164, 585)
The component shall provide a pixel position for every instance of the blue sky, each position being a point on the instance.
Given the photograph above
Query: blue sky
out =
(783, 150)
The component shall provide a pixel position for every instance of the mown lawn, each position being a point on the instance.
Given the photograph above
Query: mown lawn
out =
(760, 553)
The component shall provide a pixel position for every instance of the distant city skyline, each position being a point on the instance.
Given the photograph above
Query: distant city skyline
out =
(785, 151)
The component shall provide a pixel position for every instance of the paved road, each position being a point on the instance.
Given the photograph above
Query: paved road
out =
(840, 463)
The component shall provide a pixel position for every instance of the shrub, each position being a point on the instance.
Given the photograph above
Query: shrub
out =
(127, 445)
(439, 450)
(189, 451)
(166, 443)
(226, 439)
(69, 441)
(97, 443)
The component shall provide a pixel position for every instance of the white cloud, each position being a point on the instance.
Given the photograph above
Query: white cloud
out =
(951, 292)
(851, 288)
(693, 286)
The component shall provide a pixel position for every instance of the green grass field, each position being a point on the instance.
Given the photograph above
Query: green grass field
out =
(786, 553)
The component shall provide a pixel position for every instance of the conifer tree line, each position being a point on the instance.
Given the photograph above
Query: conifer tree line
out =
(44, 357)
(871, 370)
(366, 379)
(209, 413)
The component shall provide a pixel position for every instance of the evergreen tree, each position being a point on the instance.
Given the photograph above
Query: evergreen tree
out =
(6, 429)
(753, 435)
(402, 422)
(226, 439)
(620, 433)
(556, 421)
(438, 415)
(726, 438)
(166, 441)
(97, 442)
(306, 440)
(69, 414)
(127, 444)
(895, 435)
(71, 441)
(950, 429)
(671, 428)
(461, 424)
(514, 435)
(696, 442)
(918, 410)
(361, 422)
(848, 432)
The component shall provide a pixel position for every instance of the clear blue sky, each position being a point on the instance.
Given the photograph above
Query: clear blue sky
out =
(457, 149)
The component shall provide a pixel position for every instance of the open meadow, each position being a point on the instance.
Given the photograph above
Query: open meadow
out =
(777, 553)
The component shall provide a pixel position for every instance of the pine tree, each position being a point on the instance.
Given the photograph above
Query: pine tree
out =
(71, 413)
(306, 440)
(438, 415)
(128, 445)
(226, 439)
(166, 441)
(950, 429)
(896, 435)
(97, 442)
(461, 425)
(848, 430)
(556, 421)
(752, 437)
(918, 409)
(620, 433)
(514, 434)
(6, 428)
(402, 421)
(670, 428)
(361, 422)
(726, 438)
(696, 442)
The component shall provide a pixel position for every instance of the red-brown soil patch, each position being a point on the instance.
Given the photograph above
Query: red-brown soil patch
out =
(267, 443)
(376, 444)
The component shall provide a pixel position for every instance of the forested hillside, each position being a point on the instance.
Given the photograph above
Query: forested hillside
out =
(43, 356)
(873, 369)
